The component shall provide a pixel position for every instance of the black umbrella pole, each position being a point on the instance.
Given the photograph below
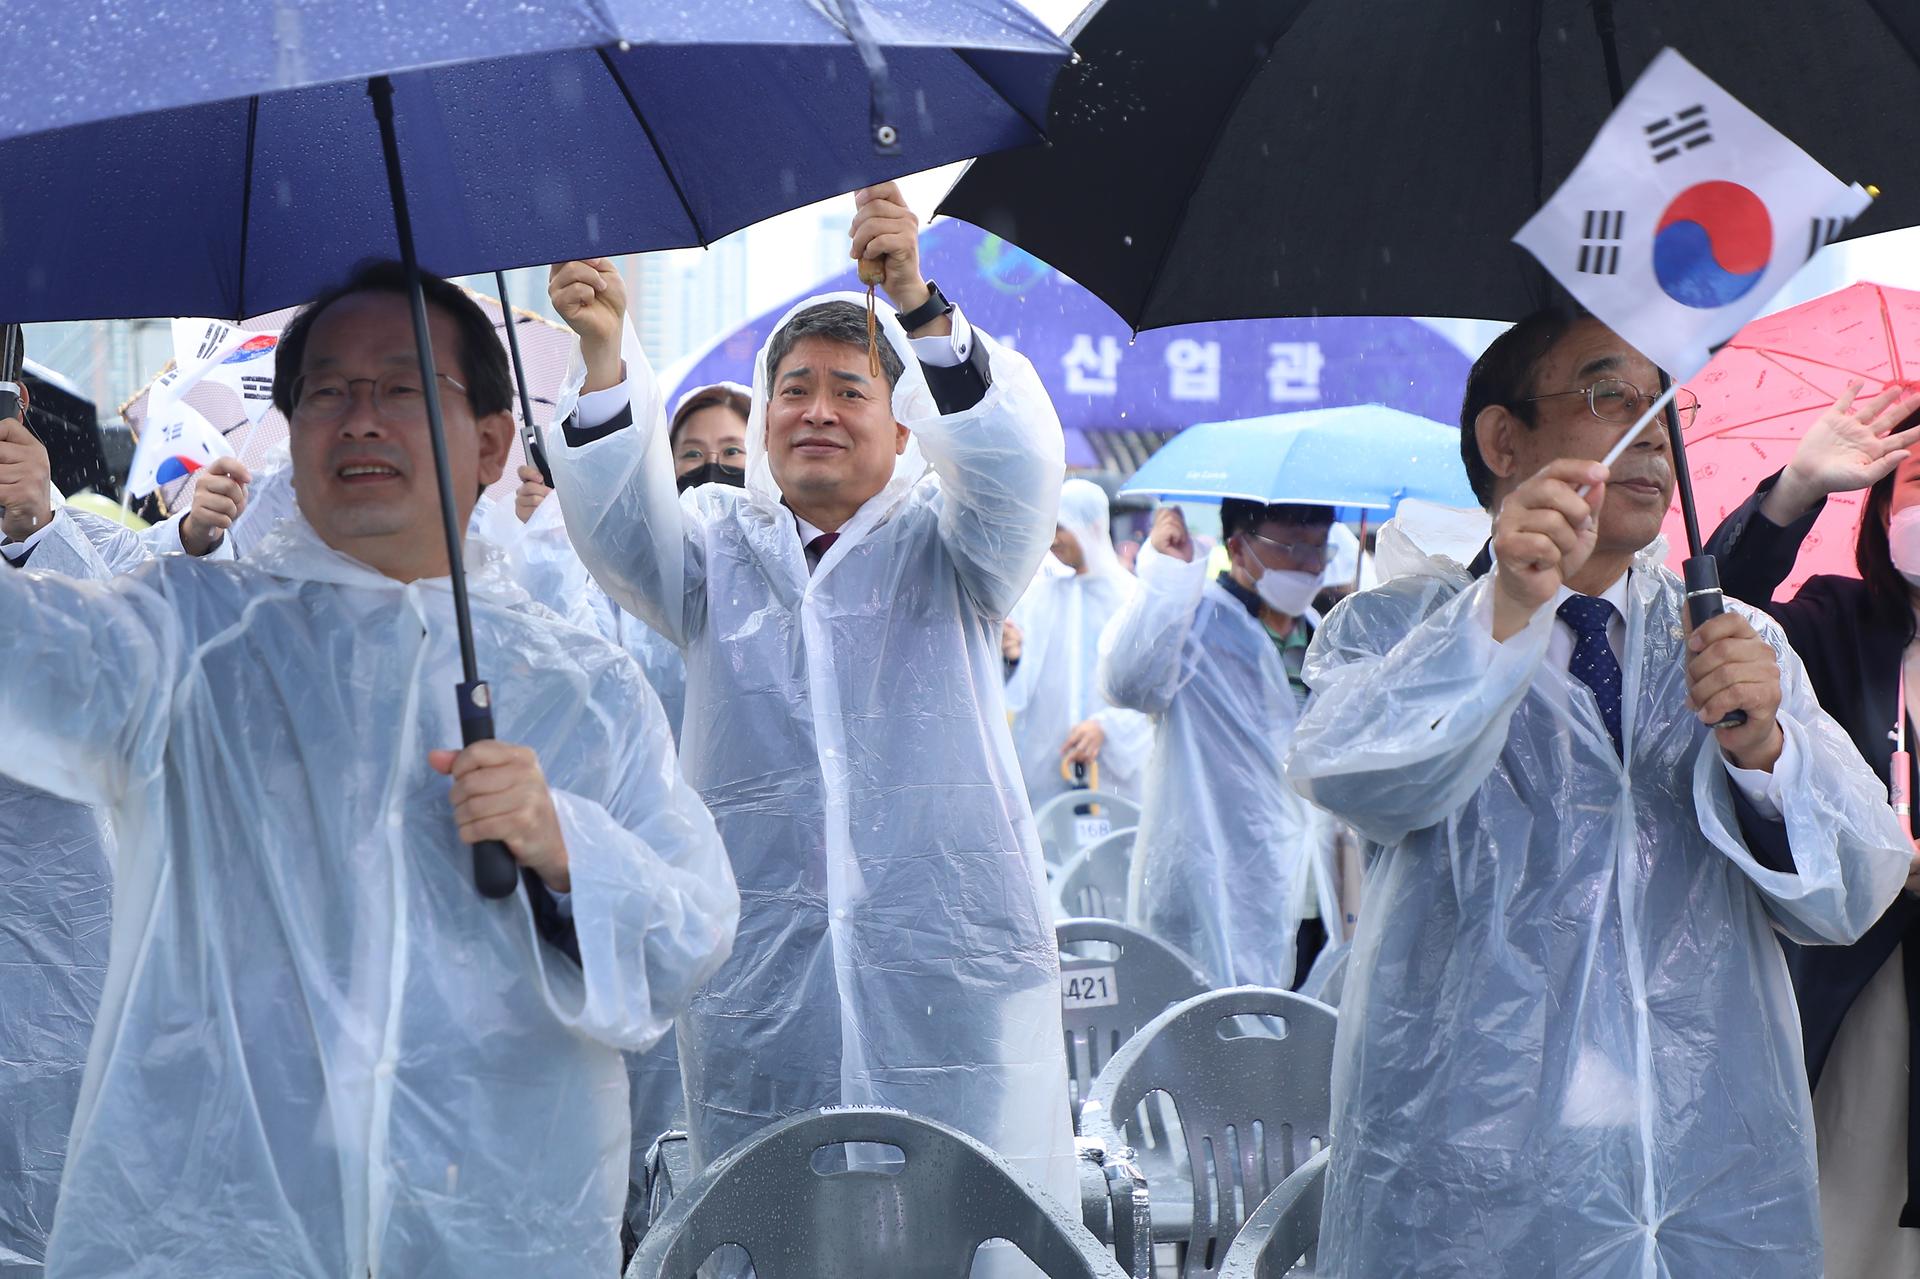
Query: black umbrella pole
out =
(494, 870)
(529, 438)
(1701, 571)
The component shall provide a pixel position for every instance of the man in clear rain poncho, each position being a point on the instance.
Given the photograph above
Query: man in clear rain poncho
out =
(1052, 642)
(1567, 1043)
(1224, 841)
(840, 618)
(320, 1052)
(55, 859)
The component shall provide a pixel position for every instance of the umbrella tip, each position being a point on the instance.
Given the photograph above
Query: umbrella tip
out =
(1873, 191)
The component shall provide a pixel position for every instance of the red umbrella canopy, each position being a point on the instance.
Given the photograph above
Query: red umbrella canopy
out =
(1769, 384)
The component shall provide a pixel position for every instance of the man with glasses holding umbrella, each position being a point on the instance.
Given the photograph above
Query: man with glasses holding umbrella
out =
(320, 1052)
(1568, 1039)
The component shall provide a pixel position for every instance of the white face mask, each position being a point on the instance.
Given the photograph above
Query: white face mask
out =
(1287, 591)
(1903, 541)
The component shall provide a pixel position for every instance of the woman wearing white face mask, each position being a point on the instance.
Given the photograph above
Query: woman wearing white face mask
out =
(1859, 1004)
(1218, 867)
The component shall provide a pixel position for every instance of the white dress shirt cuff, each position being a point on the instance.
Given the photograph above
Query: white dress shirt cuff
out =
(946, 351)
(20, 550)
(1762, 789)
(597, 408)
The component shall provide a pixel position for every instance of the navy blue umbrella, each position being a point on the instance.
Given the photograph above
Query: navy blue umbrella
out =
(229, 159)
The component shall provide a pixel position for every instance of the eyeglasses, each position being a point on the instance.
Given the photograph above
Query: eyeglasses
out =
(726, 454)
(397, 398)
(1310, 556)
(1612, 400)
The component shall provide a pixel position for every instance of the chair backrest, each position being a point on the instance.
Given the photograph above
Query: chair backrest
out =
(1328, 977)
(1114, 979)
(1284, 1228)
(1093, 884)
(1064, 830)
(804, 1203)
(1250, 1073)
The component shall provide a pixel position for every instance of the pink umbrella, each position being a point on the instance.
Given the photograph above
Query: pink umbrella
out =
(1769, 384)
(545, 346)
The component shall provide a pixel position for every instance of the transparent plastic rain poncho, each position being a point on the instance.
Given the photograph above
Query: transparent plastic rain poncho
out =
(320, 1052)
(848, 732)
(55, 863)
(1567, 1042)
(1055, 686)
(545, 563)
(1219, 862)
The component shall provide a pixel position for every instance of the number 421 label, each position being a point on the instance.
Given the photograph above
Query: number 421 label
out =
(1089, 988)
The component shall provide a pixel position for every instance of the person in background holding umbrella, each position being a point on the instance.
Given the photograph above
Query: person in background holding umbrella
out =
(840, 620)
(1217, 863)
(1059, 717)
(321, 1053)
(1859, 1004)
(1566, 1040)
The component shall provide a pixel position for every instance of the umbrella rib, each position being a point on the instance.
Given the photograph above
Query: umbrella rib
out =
(1893, 341)
(640, 118)
(1040, 130)
(1206, 161)
(246, 209)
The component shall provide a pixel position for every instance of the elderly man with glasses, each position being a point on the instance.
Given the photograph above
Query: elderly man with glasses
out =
(1225, 845)
(1568, 1041)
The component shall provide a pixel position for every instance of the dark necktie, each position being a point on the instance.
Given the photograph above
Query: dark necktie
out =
(817, 549)
(1593, 661)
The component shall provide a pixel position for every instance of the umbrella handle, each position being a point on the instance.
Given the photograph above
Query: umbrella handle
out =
(494, 870)
(1705, 601)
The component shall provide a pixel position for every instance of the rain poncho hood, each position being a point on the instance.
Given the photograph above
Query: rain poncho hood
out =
(847, 730)
(320, 1052)
(1055, 686)
(1224, 840)
(1567, 1040)
(55, 860)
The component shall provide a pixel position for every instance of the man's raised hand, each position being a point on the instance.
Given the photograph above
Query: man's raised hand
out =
(592, 298)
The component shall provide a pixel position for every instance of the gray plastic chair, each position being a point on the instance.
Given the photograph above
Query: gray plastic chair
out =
(1064, 832)
(1328, 976)
(1114, 979)
(1283, 1229)
(1093, 884)
(1252, 1106)
(921, 1218)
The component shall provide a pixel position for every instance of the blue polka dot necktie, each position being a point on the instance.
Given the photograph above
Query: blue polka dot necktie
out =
(1593, 661)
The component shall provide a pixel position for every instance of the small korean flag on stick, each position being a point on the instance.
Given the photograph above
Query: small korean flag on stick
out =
(1685, 216)
(173, 447)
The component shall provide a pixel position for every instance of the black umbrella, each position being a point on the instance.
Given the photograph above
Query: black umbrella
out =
(601, 114)
(1260, 158)
(1375, 157)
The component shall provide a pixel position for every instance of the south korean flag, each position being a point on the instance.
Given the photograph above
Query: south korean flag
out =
(1685, 216)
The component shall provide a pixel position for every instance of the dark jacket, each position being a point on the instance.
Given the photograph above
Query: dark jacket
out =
(1853, 658)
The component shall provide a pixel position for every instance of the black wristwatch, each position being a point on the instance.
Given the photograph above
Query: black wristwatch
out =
(927, 312)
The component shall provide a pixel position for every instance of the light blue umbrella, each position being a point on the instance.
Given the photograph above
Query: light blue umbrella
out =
(1363, 456)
